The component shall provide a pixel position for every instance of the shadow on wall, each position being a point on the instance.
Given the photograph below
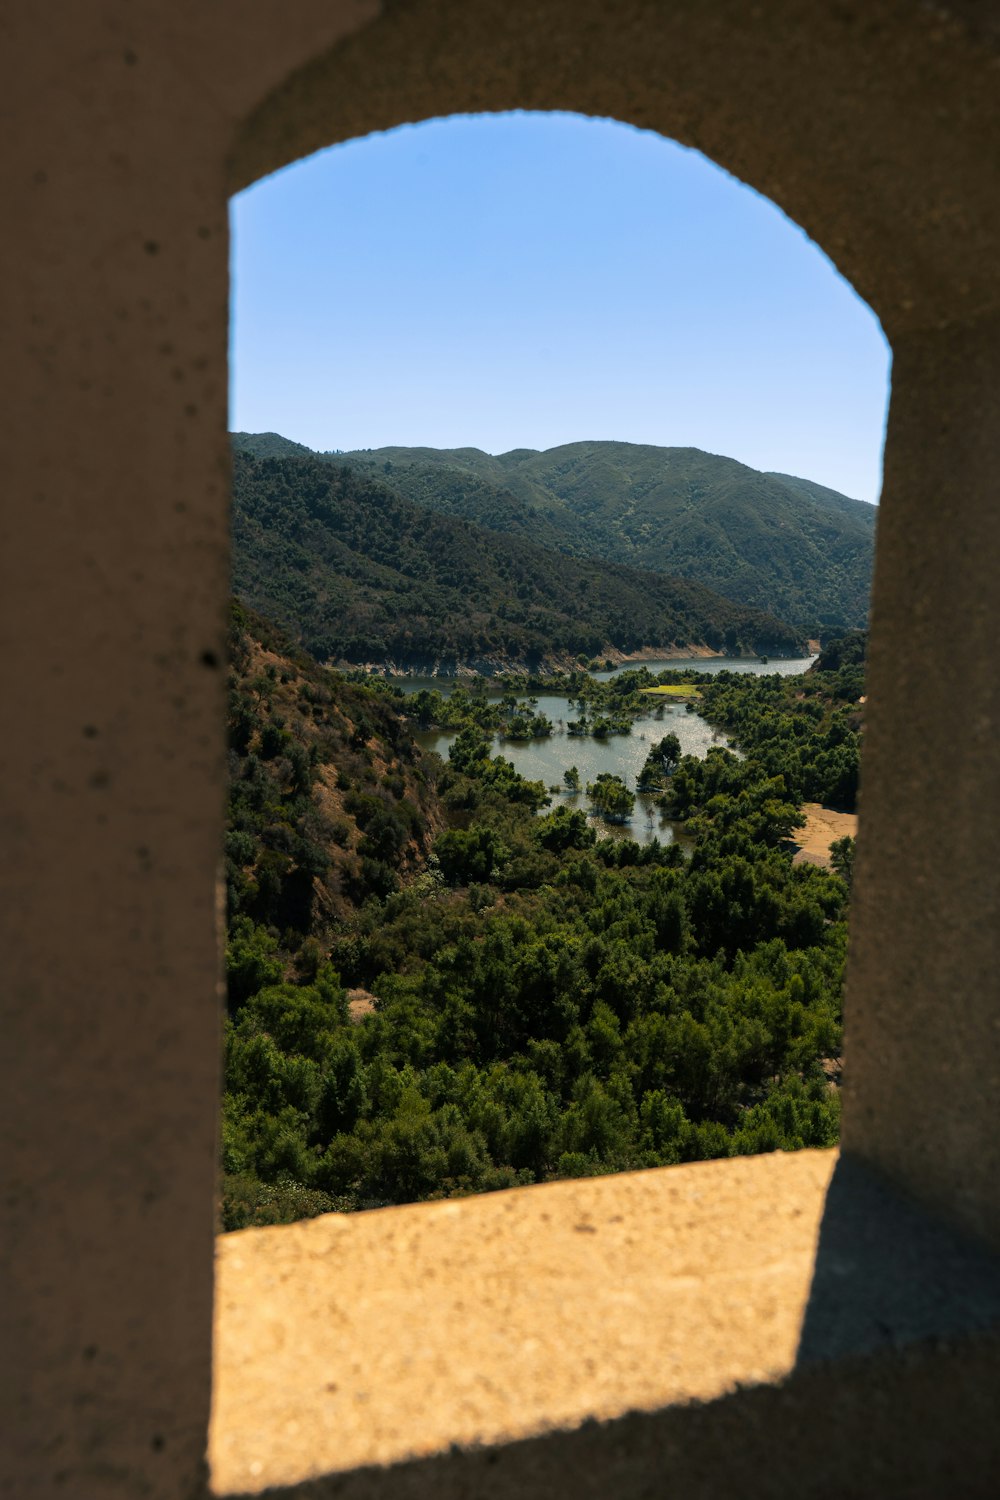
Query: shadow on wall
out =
(886, 1275)
(917, 1416)
(897, 1359)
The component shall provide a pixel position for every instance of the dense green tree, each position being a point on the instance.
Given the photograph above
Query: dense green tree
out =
(661, 762)
(611, 798)
(842, 859)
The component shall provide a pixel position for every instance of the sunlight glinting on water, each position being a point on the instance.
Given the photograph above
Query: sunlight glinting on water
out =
(622, 755)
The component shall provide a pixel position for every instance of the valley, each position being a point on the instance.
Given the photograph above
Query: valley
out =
(546, 757)
(445, 978)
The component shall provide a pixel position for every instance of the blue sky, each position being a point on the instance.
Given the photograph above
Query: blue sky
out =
(521, 281)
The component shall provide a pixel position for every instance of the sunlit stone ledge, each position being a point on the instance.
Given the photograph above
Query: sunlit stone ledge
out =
(359, 1340)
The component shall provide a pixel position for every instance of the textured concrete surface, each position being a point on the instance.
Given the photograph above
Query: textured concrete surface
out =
(913, 1424)
(374, 1337)
(114, 559)
(922, 1080)
(353, 1343)
(875, 125)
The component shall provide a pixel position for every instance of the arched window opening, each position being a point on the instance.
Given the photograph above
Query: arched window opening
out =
(704, 1288)
(540, 830)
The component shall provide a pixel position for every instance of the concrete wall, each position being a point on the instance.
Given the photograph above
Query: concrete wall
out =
(126, 126)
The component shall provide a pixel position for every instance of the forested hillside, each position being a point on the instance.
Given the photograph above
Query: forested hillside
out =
(786, 545)
(360, 574)
(439, 985)
(329, 799)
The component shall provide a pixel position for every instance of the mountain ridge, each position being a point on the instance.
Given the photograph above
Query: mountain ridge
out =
(779, 543)
(364, 575)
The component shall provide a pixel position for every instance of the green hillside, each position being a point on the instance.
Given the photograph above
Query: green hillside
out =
(269, 445)
(438, 983)
(361, 574)
(772, 541)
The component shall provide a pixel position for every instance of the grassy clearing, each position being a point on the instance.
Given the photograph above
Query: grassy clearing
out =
(673, 690)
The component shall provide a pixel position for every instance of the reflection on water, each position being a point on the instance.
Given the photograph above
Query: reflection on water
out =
(789, 667)
(785, 667)
(621, 754)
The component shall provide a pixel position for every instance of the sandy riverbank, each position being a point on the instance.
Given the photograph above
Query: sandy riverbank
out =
(493, 665)
(657, 653)
(823, 827)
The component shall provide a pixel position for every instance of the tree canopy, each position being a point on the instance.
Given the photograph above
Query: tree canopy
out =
(439, 985)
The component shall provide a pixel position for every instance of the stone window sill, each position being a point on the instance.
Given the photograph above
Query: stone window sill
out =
(350, 1341)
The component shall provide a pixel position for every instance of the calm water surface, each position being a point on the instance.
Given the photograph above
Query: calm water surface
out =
(621, 754)
(786, 667)
(789, 667)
